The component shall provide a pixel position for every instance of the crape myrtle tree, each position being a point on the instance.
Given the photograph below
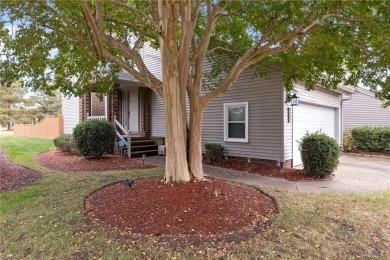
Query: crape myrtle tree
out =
(81, 45)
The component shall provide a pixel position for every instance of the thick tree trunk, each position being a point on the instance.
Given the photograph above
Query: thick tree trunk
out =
(195, 136)
(176, 169)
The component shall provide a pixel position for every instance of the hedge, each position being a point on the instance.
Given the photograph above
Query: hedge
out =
(371, 139)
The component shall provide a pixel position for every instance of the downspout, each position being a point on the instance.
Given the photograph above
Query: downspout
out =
(342, 119)
(106, 106)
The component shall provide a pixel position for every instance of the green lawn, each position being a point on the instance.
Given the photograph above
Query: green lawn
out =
(46, 221)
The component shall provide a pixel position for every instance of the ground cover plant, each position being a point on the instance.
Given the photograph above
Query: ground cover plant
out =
(47, 221)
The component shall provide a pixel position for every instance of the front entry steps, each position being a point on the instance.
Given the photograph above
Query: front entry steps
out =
(140, 147)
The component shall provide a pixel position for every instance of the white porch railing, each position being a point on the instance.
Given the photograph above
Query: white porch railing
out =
(126, 133)
(102, 118)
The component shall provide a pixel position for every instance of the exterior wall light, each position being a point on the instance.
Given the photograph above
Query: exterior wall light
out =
(294, 100)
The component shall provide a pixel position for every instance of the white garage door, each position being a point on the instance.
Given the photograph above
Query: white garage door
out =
(311, 118)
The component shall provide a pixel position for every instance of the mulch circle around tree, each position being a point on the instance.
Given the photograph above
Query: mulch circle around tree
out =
(13, 176)
(67, 162)
(183, 214)
(290, 174)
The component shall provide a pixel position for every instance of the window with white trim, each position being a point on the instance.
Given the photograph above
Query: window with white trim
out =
(236, 122)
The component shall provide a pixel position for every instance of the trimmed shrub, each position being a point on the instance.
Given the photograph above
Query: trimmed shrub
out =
(214, 152)
(320, 154)
(371, 139)
(94, 138)
(66, 144)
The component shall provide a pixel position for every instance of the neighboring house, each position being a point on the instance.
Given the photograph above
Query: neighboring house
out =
(252, 120)
(363, 109)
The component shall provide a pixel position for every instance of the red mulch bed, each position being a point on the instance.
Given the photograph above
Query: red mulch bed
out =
(13, 176)
(265, 170)
(67, 162)
(190, 213)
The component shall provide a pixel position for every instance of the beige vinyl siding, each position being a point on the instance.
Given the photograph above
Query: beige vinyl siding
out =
(320, 97)
(264, 97)
(364, 110)
(70, 113)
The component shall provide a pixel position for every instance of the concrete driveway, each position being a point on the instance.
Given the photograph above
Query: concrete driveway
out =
(358, 174)
(354, 174)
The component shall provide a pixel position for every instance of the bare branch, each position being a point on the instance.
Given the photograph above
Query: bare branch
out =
(196, 11)
(98, 15)
(200, 52)
(96, 33)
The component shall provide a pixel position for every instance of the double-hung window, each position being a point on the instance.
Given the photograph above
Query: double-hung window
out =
(236, 122)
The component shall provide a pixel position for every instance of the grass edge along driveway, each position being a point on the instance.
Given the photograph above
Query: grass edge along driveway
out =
(46, 221)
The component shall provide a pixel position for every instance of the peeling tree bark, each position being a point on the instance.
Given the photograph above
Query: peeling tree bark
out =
(176, 169)
(195, 136)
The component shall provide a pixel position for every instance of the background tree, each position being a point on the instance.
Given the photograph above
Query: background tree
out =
(12, 104)
(80, 45)
(46, 104)
(18, 105)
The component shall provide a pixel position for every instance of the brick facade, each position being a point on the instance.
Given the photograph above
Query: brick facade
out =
(84, 106)
(115, 104)
(144, 96)
(90, 104)
(97, 105)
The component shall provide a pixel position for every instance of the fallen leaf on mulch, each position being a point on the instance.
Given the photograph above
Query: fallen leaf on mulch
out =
(67, 162)
(290, 174)
(194, 210)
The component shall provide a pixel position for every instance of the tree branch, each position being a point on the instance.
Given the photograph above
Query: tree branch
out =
(144, 75)
(67, 23)
(199, 55)
(135, 10)
(140, 30)
(249, 58)
(96, 33)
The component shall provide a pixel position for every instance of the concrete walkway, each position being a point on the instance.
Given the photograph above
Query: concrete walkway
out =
(357, 174)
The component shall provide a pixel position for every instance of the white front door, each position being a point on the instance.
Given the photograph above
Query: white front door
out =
(130, 114)
(134, 111)
(311, 118)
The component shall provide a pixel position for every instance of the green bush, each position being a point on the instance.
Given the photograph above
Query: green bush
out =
(62, 138)
(320, 154)
(66, 144)
(371, 139)
(94, 138)
(214, 152)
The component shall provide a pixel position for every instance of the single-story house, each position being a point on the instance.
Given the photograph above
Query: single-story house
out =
(363, 109)
(252, 120)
